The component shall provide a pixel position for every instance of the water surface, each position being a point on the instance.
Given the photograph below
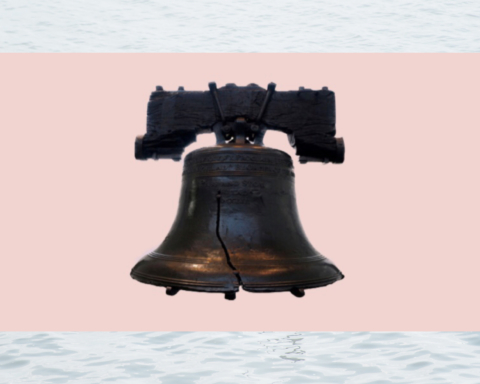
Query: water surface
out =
(240, 357)
(239, 26)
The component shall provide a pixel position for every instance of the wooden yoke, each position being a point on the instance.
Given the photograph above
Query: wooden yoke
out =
(174, 119)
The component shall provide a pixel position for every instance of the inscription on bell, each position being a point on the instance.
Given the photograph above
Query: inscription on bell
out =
(286, 162)
(212, 183)
(237, 168)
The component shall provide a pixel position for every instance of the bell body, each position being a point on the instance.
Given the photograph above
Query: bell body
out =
(237, 225)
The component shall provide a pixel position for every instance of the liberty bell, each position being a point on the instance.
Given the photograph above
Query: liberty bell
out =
(237, 223)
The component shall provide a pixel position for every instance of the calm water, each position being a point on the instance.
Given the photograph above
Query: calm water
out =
(239, 26)
(240, 357)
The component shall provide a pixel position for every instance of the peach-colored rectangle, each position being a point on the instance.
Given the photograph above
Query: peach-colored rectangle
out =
(400, 217)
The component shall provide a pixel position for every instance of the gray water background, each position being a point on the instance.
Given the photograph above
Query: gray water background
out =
(239, 26)
(240, 357)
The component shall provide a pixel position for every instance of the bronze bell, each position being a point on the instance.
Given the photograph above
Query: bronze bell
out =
(237, 222)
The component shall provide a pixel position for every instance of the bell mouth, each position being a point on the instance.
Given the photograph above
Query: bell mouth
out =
(174, 286)
(251, 278)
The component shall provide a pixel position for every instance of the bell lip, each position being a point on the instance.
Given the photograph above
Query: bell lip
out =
(288, 286)
(220, 288)
(184, 285)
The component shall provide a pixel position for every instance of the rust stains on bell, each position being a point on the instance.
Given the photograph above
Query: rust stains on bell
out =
(237, 222)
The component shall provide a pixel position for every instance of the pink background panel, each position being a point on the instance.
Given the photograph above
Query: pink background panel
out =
(400, 217)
